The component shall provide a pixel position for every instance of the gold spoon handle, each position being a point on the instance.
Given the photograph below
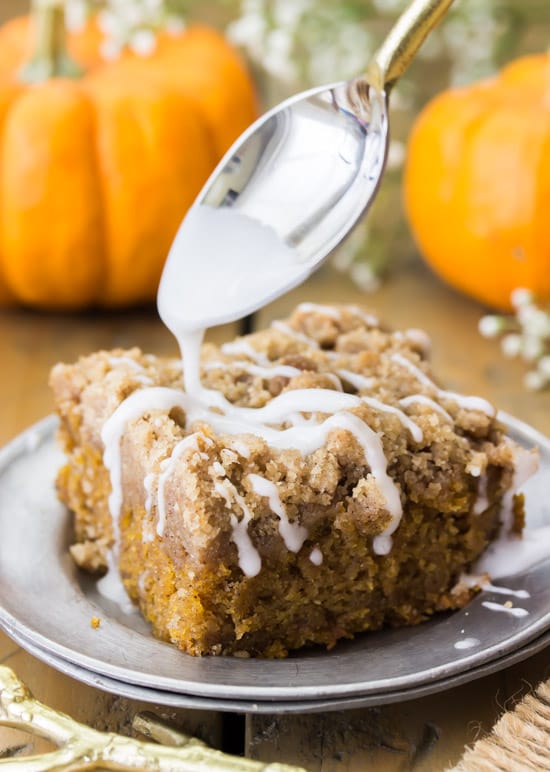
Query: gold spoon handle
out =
(405, 38)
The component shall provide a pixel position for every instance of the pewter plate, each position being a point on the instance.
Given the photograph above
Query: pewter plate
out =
(178, 700)
(46, 601)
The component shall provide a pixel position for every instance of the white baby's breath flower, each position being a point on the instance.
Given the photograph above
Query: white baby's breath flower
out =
(535, 320)
(521, 297)
(287, 13)
(108, 22)
(131, 13)
(174, 25)
(134, 24)
(76, 12)
(154, 6)
(396, 154)
(109, 49)
(254, 7)
(343, 259)
(532, 347)
(143, 42)
(249, 33)
(528, 336)
(277, 59)
(511, 345)
(400, 99)
(365, 277)
(534, 381)
(490, 326)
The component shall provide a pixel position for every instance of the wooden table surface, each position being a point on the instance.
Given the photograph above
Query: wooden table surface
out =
(425, 734)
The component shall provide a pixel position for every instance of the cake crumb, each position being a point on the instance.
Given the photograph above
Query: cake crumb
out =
(95, 622)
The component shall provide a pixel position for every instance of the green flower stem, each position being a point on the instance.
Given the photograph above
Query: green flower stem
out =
(50, 58)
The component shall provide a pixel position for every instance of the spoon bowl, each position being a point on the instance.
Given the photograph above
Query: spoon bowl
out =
(290, 189)
(308, 168)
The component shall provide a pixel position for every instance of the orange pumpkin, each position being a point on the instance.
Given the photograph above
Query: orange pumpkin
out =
(477, 183)
(97, 171)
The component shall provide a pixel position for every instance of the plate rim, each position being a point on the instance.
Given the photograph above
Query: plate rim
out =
(265, 707)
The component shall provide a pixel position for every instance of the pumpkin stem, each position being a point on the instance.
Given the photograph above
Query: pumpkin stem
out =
(50, 58)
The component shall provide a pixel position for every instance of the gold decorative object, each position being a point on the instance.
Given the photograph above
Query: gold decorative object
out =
(82, 748)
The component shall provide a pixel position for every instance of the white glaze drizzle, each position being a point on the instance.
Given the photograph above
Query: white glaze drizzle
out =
(512, 554)
(482, 499)
(374, 454)
(525, 465)
(262, 371)
(370, 319)
(134, 407)
(147, 531)
(467, 643)
(418, 337)
(335, 380)
(414, 429)
(223, 265)
(498, 590)
(139, 370)
(250, 561)
(240, 447)
(168, 466)
(111, 586)
(299, 419)
(237, 421)
(218, 469)
(331, 311)
(286, 371)
(422, 399)
(148, 481)
(356, 380)
(33, 439)
(336, 313)
(316, 556)
(466, 402)
(243, 347)
(286, 329)
(256, 421)
(514, 611)
(471, 580)
(292, 534)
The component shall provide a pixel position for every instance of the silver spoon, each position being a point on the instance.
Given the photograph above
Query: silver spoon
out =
(309, 168)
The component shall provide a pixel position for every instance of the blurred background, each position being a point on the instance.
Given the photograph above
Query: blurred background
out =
(293, 44)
